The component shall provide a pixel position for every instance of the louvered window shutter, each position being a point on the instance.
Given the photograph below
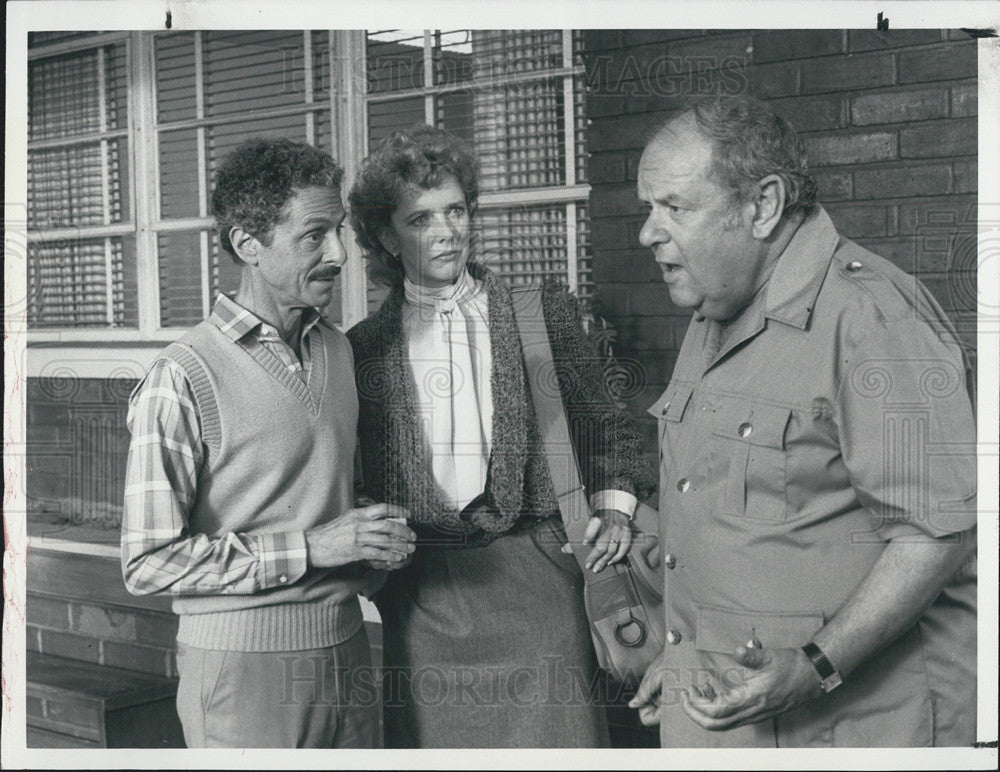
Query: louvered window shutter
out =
(80, 232)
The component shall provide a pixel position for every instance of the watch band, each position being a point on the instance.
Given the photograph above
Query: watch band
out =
(829, 677)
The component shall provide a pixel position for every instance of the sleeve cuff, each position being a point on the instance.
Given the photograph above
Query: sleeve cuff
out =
(621, 501)
(283, 558)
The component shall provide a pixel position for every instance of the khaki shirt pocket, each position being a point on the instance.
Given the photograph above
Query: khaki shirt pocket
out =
(754, 438)
(668, 411)
(721, 630)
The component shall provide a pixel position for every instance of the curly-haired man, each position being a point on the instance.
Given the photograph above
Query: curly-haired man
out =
(239, 489)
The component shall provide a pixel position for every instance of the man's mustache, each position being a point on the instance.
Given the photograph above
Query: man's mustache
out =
(327, 273)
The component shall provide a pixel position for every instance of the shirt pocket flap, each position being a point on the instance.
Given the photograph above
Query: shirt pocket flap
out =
(753, 423)
(721, 630)
(671, 404)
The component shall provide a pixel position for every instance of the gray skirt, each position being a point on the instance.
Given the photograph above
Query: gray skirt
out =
(489, 647)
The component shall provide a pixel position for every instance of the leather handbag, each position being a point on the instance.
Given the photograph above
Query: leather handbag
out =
(624, 602)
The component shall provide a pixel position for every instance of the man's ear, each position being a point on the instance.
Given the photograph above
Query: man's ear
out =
(246, 245)
(770, 206)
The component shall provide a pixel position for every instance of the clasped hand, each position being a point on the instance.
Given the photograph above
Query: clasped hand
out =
(376, 534)
(777, 680)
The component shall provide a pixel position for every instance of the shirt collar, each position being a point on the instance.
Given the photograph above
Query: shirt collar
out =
(798, 275)
(236, 322)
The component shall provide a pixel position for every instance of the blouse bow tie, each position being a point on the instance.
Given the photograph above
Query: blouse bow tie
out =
(444, 300)
(449, 348)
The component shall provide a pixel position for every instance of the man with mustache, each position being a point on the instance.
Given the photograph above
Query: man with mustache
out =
(239, 488)
(818, 463)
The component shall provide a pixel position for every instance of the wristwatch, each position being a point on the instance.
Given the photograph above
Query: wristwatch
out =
(829, 677)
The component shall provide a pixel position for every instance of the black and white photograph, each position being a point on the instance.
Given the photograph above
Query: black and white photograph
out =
(600, 384)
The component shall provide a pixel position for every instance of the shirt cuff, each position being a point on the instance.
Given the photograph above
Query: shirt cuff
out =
(283, 558)
(620, 501)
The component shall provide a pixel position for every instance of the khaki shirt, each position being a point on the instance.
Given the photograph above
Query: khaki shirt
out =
(831, 416)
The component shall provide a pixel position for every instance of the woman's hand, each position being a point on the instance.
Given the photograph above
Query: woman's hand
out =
(611, 530)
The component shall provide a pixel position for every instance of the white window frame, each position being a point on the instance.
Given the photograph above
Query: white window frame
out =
(126, 353)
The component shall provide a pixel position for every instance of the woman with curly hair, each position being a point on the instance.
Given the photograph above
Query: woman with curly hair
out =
(486, 639)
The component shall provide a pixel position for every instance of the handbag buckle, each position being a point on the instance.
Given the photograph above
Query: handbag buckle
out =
(630, 639)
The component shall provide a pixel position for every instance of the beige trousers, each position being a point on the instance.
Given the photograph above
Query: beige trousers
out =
(317, 698)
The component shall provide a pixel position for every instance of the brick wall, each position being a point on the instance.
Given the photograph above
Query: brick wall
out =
(889, 124)
(75, 456)
(77, 607)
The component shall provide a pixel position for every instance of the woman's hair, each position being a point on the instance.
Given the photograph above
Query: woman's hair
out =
(751, 142)
(419, 157)
(257, 179)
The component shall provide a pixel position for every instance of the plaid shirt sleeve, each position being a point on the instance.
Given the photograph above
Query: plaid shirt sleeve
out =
(160, 553)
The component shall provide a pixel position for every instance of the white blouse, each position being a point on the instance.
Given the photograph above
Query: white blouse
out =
(446, 334)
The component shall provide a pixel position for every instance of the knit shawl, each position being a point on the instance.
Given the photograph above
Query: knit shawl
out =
(518, 482)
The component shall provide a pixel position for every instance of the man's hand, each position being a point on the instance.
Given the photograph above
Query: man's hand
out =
(375, 533)
(779, 680)
(649, 694)
(381, 565)
(614, 537)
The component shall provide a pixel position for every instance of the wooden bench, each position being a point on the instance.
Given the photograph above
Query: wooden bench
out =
(74, 704)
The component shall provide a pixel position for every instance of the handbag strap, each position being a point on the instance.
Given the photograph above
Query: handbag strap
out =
(552, 426)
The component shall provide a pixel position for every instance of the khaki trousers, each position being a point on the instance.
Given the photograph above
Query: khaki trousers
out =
(317, 698)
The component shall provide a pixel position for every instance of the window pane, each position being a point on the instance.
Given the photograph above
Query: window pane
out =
(452, 56)
(247, 71)
(36, 39)
(179, 173)
(321, 65)
(69, 284)
(518, 131)
(526, 243)
(64, 93)
(175, 77)
(386, 117)
(506, 52)
(66, 186)
(179, 256)
(455, 112)
(584, 261)
(395, 60)
(324, 137)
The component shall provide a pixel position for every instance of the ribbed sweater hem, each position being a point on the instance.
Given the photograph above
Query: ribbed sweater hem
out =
(281, 627)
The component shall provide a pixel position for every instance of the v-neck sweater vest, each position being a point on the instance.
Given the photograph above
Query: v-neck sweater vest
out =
(279, 457)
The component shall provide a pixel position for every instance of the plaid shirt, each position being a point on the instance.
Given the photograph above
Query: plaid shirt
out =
(160, 551)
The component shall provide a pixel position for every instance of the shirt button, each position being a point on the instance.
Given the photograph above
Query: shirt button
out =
(669, 560)
(854, 266)
(745, 429)
(673, 637)
(666, 407)
(683, 484)
(283, 579)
